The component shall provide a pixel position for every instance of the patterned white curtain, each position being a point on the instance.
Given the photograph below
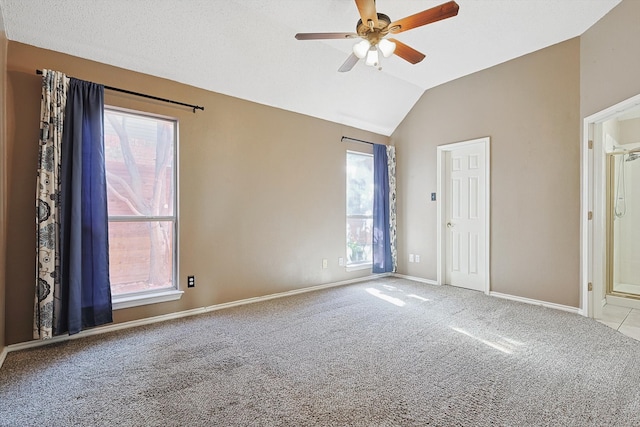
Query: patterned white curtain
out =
(52, 107)
(391, 163)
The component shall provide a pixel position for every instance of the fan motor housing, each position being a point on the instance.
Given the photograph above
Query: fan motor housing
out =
(380, 30)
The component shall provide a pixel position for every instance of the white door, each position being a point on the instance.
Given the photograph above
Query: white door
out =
(465, 216)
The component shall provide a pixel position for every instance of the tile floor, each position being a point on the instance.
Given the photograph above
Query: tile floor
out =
(624, 320)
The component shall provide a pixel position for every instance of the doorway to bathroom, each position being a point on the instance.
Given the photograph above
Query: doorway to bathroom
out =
(610, 208)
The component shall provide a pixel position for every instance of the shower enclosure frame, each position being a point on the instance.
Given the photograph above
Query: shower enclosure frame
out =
(612, 195)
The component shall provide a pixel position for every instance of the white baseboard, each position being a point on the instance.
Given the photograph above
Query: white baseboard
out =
(546, 304)
(105, 329)
(504, 296)
(3, 355)
(179, 314)
(415, 279)
(293, 292)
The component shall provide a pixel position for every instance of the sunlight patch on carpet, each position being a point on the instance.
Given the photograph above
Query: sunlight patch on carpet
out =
(505, 348)
(378, 294)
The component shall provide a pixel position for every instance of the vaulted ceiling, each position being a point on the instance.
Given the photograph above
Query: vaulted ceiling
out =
(247, 49)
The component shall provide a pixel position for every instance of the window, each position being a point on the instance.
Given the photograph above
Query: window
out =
(359, 208)
(140, 158)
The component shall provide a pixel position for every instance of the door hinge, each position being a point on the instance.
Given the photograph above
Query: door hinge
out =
(590, 286)
(590, 145)
(590, 215)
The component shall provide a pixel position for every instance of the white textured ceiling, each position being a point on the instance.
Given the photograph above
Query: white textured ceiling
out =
(246, 48)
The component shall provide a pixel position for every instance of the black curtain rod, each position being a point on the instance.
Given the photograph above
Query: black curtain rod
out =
(356, 140)
(130, 92)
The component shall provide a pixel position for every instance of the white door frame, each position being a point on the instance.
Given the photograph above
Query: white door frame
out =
(593, 233)
(442, 151)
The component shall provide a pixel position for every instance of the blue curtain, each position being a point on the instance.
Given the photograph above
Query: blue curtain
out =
(382, 260)
(84, 300)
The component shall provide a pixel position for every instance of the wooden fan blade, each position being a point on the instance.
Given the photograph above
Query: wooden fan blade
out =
(349, 63)
(445, 10)
(367, 9)
(325, 36)
(407, 53)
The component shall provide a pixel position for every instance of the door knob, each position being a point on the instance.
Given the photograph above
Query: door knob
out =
(449, 225)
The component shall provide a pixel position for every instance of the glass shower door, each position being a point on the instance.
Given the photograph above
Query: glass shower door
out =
(624, 230)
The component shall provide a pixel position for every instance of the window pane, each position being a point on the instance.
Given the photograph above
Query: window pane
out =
(140, 256)
(139, 162)
(359, 240)
(359, 184)
(359, 208)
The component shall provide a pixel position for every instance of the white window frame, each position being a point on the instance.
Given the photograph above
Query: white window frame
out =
(135, 299)
(365, 265)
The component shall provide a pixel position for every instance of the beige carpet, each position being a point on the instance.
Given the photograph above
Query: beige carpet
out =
(389, 352)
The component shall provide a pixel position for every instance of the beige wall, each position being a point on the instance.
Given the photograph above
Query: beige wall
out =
(3, 170)
(530, 108)
(610, 59)
(262, 190)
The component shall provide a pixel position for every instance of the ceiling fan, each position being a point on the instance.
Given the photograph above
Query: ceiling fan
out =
(374, 27)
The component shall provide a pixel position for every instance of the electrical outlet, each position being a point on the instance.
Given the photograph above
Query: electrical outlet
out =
(191, 281)
(341, 262)
(325, 263)
(417, 258)
(411, 258)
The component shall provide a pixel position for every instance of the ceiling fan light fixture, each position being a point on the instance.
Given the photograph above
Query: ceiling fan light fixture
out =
(361, 48)
(373, 27)
(386, 47)
(372, 57)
